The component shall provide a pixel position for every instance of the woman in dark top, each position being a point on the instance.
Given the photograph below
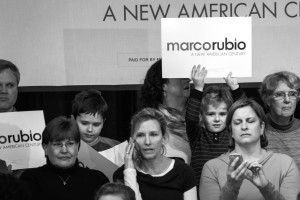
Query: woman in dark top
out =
(62, 177)
(147, 171)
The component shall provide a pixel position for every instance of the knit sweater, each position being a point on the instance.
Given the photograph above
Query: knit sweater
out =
(279, 169)
(285, 139)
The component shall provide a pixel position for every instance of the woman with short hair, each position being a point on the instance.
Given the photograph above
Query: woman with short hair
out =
(280, 94)
(256, 173)
(62, 177)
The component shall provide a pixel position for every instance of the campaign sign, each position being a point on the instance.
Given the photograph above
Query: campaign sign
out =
(220, 44)
(21, 139)
(89, 157)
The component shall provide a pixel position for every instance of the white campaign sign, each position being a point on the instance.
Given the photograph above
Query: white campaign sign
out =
(21, 139)
(221, 44)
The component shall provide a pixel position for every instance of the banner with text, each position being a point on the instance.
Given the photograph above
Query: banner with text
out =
(21, 139)
(112, 42)
(221, 44)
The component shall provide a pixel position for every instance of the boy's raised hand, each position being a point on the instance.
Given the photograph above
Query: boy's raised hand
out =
(232, 82)
(198, 76)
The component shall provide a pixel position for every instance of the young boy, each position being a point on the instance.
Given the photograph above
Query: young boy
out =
(89, 110)
(209, 139)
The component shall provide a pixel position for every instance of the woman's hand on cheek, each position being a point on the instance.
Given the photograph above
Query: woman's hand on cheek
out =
(130, 154)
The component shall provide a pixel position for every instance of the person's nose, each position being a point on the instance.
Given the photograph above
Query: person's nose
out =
(217, 118)
(3, 89)
(147, 140)
(90, 128)
(286, 98)
(244, 126)
(63, 148)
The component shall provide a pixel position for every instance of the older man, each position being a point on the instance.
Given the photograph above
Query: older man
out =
(9, 81)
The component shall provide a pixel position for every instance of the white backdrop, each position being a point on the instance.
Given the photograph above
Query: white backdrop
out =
(112, 42)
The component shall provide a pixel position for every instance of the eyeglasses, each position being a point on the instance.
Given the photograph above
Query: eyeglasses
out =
(281, 95)
(59, 145)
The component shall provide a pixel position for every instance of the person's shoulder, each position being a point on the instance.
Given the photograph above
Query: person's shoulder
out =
(93, 173)
(32, 172)
(218, 162)
(181, 165)
(282, 157)
(118, 174)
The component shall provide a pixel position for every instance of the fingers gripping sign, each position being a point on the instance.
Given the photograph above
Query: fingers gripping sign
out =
(198, 77)
(231, 81)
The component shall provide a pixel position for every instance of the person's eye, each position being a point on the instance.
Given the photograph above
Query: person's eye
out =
(209, 114)
(139, 135)
(236, 122)
(97, 124)
(10, 85)
(56, 144)
(223, 114)
(84, 123)
(293, 94)
(154, 134)
(70, 143)
(279, 94)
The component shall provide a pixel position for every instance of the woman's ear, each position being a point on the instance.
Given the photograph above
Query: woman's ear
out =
(165, 140)
(164, 87)
(262, 128)
(45, 147)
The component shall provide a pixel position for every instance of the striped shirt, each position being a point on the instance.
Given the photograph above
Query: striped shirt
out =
(205, 145)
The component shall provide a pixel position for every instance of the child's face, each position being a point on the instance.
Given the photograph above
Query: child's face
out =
(90, 126)
(214, 117)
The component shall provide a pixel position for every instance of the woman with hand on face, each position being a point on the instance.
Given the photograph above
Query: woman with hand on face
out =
(62, 178)
(147, 171)
(262, 174)
(280, 94)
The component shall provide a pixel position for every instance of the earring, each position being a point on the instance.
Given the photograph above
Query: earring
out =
(164, 93)
(164, 150)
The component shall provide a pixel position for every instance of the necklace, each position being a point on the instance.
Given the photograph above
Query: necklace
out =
(63, 180)
(160, 168)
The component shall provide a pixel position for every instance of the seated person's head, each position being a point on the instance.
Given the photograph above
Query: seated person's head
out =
(9, 81)
(89, 110)
(115, 191)
(252, 110)
(61, 142)
(214, 106)
(279, 89)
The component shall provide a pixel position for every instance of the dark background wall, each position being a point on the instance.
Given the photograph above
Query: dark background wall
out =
(123, 102)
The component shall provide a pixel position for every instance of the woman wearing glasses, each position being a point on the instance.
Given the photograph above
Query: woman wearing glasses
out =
(280, 94)
(62, 177)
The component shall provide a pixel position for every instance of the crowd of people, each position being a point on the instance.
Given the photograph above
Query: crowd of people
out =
(207, 142)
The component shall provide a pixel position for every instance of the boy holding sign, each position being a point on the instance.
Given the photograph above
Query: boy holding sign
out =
(211, 139)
